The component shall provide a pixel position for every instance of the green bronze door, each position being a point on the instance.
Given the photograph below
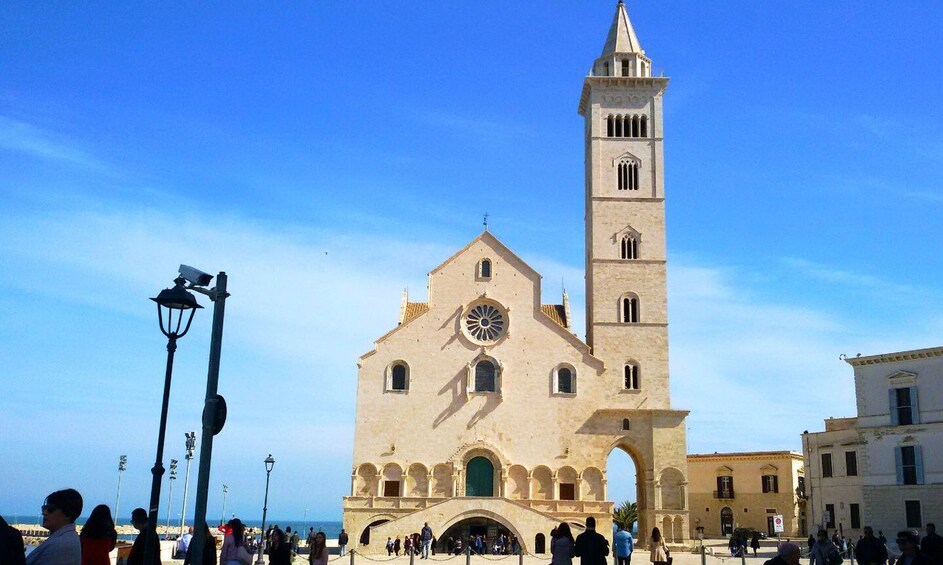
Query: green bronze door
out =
(479, 477)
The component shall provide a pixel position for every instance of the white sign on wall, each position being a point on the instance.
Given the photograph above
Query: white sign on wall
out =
(778, 523)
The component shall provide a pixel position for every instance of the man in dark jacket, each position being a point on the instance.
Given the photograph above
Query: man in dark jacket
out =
(139, 521)
(591, 547)
(12, 550)
(788, 555)
(870, 550)
(932, 544)
(910, 553)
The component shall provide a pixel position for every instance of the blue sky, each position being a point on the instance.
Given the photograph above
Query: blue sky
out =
(326, 155)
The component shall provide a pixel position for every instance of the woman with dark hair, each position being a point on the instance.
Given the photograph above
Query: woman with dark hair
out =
(562, 546)
(234, 550)
(209, 549)
(63, 545)
(659, 549)
(98, 537)
(319, 554)
(279, 550)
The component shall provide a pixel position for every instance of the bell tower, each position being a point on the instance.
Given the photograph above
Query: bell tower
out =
(626, 288)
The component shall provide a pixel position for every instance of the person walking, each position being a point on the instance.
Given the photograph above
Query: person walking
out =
(63, 546)
(910, 553)
(659, 551)
(623, 545)
(755, 543)
(870, 550)
(319, 553)
(397, 545)
(788, 555)
(12, 550)
(591, 546)
(562, 546)
(425, 536)
(389, 546)
(824, 551)
(98, 537)
(234, 550)
(280, 550)
(139, 521)
(342, 540)
(932, 544)
(209, 549)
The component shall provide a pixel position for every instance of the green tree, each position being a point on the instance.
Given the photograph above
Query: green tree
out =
(626, 514)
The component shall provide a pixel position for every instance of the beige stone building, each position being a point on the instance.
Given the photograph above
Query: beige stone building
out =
(883, 468)
(745, 490)
(482, 412)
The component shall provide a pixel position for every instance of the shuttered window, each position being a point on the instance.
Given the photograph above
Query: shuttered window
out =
(909, 461)
(904, 407)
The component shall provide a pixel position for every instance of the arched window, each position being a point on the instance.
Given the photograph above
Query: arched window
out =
(625, 67)
(635, 126)
(565, 382)
(485, 376)
(630, 309)
(605, 69)
(610, 126)
(644, 130)
(625, 424)
(619, 126)
(629, 247)
(398, 377)
(628, 175)
(484, 269)
(630, 376)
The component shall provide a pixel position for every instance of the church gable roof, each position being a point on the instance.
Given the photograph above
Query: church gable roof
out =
(489, 239)
(413, 310)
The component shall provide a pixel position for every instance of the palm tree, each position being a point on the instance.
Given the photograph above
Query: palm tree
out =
(625, 515)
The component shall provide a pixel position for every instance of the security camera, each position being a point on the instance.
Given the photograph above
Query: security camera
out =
(195, 276)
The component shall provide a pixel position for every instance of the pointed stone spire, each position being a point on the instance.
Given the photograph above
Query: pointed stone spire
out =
(622, 55)
(402, 305)
(622, 38)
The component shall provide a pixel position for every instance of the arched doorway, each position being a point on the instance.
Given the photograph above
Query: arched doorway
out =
(624, 485)
(540, 544)
(365, 536)
(468, 529)
(726, 521)
(479, 477)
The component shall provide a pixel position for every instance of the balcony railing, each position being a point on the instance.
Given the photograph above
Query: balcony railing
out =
(723, 494)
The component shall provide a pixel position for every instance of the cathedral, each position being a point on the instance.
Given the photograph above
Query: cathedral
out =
(482, 412)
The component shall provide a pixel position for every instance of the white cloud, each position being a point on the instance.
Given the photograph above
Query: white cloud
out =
(23, 137)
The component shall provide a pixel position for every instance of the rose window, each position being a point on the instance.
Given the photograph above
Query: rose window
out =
(485, 322)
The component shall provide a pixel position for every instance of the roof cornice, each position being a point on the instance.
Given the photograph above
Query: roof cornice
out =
(909, 355)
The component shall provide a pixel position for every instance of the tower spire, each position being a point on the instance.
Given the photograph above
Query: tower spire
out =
(622, 55)
(621, 38)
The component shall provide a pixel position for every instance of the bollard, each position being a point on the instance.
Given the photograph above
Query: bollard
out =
(703, 554)
(468, 555)
(412, 555)
(520, 558)
(851, 554)
(743, 556)
(352, 556)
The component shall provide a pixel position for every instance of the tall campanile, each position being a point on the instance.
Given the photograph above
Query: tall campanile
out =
(626, 288)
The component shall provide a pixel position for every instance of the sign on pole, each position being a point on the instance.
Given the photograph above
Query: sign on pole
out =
(778, 523)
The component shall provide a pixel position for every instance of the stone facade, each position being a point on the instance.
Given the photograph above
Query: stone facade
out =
(884, 468)
(482, 411)
(737, 490)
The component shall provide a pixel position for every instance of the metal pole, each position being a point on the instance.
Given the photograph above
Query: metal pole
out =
(170, 493)
(468, 555)
(118, 496)
(352, 556)
(158, 470)
(209, 413)
(264, 513)
(186, 489)
(703, 555)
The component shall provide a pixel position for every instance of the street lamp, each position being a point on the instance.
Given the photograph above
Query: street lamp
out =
(269, 465)
(214, 406)
(170, 492)
(222, 515)
(191, 444)
(122, 465)
(179, 303)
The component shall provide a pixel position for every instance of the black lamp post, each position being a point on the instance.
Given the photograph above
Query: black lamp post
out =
(171, 303)
(269, 465)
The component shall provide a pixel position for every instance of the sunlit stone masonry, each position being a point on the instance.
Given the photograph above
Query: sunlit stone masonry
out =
(482, 412)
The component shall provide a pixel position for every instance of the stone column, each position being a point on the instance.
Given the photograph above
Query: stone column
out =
(353, 484)
(504, 484)
(605, 492)
(684, 495)
(429, 478)
(530, 485)
(578, 488)
(380, 485)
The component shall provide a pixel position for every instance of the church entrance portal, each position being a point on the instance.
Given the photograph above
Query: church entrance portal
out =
(479, 477)
(467, 529)
(625, 480)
